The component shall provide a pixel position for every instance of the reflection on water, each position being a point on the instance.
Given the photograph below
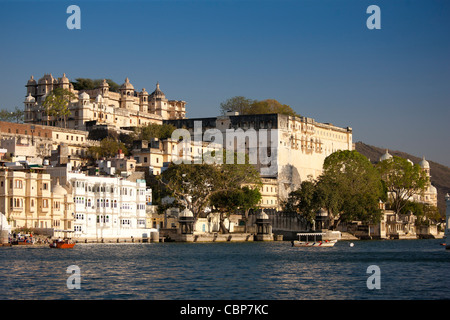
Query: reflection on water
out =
(410, 269)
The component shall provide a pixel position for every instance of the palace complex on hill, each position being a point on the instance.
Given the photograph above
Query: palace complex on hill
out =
(43, 183)
(126, 108)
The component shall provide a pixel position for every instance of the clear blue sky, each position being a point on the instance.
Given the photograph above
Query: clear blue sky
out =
(392, 86)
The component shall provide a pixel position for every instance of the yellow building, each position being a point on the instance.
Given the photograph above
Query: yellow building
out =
(29, 200)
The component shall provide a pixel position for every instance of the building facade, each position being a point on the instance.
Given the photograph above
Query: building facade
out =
(125, 108)
(105, 207)
(288, 149)
(29, 200)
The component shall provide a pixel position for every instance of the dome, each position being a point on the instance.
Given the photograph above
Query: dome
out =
(84, 96)
(385, 156)
(158, 93)
(143, 92)
(127, 85)
(64, 79)
(424, 163)
(433, 189)
(58, 189)
(186, 213)
(105, 83)
(31, 82)
(262, 215)
(30, 98)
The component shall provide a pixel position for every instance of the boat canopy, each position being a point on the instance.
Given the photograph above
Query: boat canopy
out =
(311, 234)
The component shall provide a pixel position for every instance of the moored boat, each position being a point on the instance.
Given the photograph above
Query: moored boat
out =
(62, 244)
(314, 242)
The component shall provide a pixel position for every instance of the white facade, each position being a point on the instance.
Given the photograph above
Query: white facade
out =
(106, 207)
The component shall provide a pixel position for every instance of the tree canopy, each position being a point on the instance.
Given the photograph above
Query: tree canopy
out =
(153, 130)
(351, 187)
(402, 179)
(56, 104)
(194, 185)
(12, 116)
(90, 84)
(244, 105)
(109, 147)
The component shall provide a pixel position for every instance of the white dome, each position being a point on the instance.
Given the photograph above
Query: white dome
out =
(84, 96)
(29, 98)
(424, 163)
(64, 79)
(186, 213)
(385, 156)
(262, 215)
(433, 189)
(58, 189)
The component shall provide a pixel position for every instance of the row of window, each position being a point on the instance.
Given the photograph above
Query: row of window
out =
(18, 184)
(101, 188)
(105, 203)
(25, 132)
(18, 203)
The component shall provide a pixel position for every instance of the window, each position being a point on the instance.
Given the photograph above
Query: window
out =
(45, 203)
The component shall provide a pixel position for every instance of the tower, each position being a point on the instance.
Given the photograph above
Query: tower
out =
(104, 87)
(64, 82)
(31, 87)
(127, 93)
(159, 103)
(143, 101)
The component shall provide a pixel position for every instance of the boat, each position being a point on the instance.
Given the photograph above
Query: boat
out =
(62, 244)
(314, 242)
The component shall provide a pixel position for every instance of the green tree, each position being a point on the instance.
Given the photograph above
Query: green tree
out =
(402, 180)
(228, 201)
(90, 84)
(108, 147)
(5, 115)
(153, 130)
(57, 103)
(351, 187)
(17, 115)
(249, 106)
(249, 199)
(238, 103)
(306, 201)
(193, 185)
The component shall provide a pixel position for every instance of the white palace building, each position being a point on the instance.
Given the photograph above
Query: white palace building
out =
(105, 207)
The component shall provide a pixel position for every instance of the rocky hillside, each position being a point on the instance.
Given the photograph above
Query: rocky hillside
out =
(440, 174)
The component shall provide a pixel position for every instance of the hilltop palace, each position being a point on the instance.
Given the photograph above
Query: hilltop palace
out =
(126, 108)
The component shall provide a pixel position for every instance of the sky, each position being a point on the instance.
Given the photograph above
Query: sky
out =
(390, 85)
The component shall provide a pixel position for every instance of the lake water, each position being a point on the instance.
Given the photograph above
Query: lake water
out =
(409, 269)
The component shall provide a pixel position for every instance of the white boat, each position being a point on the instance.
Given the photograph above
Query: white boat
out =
(308, 242)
